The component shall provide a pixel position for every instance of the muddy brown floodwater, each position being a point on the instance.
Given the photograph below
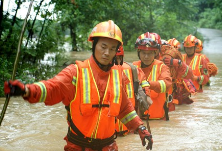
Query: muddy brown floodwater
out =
(198, 126)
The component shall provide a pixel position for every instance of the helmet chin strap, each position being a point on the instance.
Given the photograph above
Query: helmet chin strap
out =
(104, 67)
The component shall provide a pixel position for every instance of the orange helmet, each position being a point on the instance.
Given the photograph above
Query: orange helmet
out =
(189, 41)
(199, 46)
(147, 41)
(174, 42)
(212, 69)
(106, 29)
(120, 51)
(158, 38)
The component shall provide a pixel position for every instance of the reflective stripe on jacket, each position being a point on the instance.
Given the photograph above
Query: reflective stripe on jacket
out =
(195, 66)
(129, 87)
(120, 127)
(156, 110)
(102, 118)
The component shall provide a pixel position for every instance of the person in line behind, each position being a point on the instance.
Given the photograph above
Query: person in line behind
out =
(135, 92)
(157, 75)
(196, 62)
(211, 67)
(179, 73)
(93, 93)
(159, 41)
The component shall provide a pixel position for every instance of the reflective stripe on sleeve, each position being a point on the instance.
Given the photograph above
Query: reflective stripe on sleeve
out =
(201, 79)
(128, 117)
(74, 80)
(162, 86)
(185, 74)
(43, 91)
(145, 84)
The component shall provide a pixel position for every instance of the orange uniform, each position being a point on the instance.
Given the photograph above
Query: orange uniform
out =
(89, 114)
(120, 127)
(199, 67)
(158, 76)
(178, 74)
(179, 71)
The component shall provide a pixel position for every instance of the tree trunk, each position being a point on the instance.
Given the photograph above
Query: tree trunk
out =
(73, 36)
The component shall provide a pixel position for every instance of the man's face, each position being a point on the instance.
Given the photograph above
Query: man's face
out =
(105, 50)
(147, 57)
(189, 50)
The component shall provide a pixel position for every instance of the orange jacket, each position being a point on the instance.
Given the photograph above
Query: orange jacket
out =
(120, 127)
(181, 72)
(129, 87)
(205, 57)
(199, 67)
(158, 76)
(63, 88)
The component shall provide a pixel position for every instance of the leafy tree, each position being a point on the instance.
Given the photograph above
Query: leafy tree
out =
(73, 23)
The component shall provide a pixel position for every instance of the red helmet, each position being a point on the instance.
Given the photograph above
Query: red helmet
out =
(174, 42)
(147, 41)
(106, 29)
(199, 46)
(190, 41)
(120, 51)
(158, 38)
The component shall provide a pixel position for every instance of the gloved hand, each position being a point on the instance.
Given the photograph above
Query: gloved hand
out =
(196, 78)
(144, 134)
(14, 88)
(172, 62)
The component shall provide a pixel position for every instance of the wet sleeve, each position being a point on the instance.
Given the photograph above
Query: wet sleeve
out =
(164, 82)
(184, 71)
(60, 88)
(128, 115)
(204, 78)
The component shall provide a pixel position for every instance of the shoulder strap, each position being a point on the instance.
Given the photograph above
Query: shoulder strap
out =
(135, 77)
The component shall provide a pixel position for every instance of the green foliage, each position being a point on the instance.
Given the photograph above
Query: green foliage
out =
(211, 16)
(76, 18)
(4, 72)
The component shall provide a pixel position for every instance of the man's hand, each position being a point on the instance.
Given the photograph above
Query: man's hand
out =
(144, 134)
(171, 62)
(14, 88)
(196, 78)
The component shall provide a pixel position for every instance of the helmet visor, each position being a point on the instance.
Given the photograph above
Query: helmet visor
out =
(147, 43)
